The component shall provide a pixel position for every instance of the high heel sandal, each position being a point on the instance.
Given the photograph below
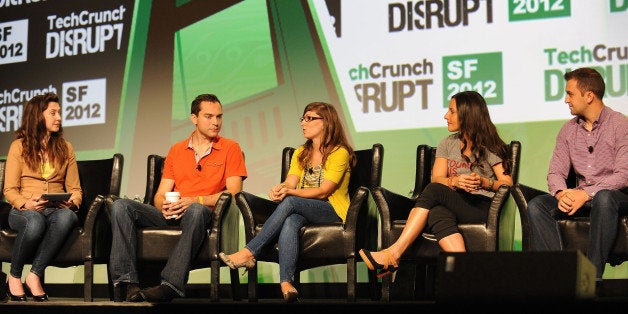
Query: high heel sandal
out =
(383, 270)
(247, 265)
(291, 295)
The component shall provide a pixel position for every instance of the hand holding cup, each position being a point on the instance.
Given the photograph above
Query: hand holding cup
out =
(173, 197)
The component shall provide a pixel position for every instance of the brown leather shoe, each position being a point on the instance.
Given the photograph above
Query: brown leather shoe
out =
(159, 294)
(125, 291)
(133, 293)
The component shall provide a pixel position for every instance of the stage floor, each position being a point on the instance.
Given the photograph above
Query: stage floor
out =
(190, 306)
(612, 298)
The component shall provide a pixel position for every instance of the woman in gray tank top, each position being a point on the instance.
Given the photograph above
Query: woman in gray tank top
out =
(470, 165)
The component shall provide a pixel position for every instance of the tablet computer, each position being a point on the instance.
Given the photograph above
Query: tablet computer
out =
(56, 197)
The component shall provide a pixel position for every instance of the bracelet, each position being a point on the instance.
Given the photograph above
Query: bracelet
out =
(200, 199)
(450, 182)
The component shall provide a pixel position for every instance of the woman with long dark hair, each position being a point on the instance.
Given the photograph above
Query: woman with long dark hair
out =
(468, 167)
(39, 161)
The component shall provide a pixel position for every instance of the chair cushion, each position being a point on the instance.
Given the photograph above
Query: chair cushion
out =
(319, 245)
(70, 254)
(475, 236)
(575, 234)
(156, 243)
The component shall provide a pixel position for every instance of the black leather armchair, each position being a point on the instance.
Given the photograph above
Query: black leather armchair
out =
(156, 243)
(574, 229)
(325, 244)
(395, 208)
(90, 242)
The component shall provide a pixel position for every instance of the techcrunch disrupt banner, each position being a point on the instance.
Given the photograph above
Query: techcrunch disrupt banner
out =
(84, 32)
(82, 103)
(398, 63)
(74, 48)
(11, 105)
(13, 41)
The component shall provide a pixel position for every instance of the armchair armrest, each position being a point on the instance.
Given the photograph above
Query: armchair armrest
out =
(392, 206)
(360, 227)
(522, 195)
(97, 227)
(92, 213)
(494, 214)
(5, 208)
(255, 210)
(225, 221)
(399, 206)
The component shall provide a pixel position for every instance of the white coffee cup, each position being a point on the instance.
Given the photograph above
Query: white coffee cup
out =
(172, 196)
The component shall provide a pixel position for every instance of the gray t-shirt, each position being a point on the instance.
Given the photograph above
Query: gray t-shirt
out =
(449, 148)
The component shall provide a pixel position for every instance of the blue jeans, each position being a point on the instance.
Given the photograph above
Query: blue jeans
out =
(284, 225)
(129, 215)
(604, 216)
(40, 236)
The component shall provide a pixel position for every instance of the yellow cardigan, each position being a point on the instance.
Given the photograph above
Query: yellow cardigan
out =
(21, 183)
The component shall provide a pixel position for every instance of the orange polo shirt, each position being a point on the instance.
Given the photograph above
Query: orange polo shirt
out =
(224, 161)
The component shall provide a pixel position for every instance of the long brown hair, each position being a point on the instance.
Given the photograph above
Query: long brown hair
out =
(333, 134)
(475, 123)
(33, 131)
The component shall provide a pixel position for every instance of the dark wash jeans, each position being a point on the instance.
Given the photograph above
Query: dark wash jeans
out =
(129, 215)
(40, 235)
(604, 215)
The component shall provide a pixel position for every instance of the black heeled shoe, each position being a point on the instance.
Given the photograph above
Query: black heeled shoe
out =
(18, 298)
(383, 270)
(40, 298)
(37, 298)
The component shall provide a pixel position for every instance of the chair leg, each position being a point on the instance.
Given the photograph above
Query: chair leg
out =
(235, 284)
(297, 278)
(109, 283)
(386, 285)
(374, 290)
(215, 281)
(252, 284)
(351, 280)
(88, 281)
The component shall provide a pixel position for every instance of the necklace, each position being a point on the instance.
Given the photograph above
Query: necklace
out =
(312, 176)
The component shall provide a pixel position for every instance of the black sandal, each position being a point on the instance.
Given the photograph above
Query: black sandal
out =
(383, 270)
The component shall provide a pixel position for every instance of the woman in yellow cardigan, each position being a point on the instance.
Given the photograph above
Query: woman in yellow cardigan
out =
(39, 161)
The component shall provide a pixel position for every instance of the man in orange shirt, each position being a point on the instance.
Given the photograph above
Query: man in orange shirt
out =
(200, 168)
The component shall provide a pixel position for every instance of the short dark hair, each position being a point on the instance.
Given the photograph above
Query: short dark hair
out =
(588, 79)
(196, 103)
